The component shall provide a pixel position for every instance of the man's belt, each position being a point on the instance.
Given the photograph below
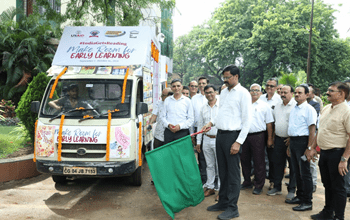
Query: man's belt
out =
(256, 133)
(210, 136)
(227, 131)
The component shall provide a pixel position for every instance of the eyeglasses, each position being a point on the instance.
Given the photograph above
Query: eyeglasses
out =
(193, 86)
(331, 90)
(255, 90)
(225, 78)
(271, 86)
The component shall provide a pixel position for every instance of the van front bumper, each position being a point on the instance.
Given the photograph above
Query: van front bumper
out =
(119, 168)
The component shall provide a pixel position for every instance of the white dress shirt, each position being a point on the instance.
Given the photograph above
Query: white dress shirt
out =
(281, 114)
(272, 102)
(159, 130)
(205, 116)
(235, 111)
(177, 112)
(300, 118)
(262, 115)
(197, 103)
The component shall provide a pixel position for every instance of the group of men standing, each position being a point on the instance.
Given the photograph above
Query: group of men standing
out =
(240, 126)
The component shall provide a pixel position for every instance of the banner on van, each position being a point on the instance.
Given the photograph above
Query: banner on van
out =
(105, 46)
(47, 137)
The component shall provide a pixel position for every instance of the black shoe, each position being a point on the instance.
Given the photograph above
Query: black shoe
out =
(286, 176)
(257, 191)
(303, 207)
(228, 214)
(295, 200)
(314, 187)
(216, 207)
(246, 186)
(323, 216)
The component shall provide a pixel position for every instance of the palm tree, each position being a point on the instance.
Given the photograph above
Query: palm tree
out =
(24, 51)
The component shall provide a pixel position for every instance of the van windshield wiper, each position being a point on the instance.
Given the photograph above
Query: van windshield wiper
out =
(71, 110)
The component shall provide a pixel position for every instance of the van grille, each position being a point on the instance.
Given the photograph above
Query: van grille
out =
(90, 148)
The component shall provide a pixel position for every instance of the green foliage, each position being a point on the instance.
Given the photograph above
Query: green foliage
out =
(266, 38)
(24, 52)
(34, 92)
(109, 12)
(288, 79)
(324, 99)
(11, 140)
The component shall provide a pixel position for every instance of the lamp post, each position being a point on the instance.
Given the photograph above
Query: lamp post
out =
(309, 52)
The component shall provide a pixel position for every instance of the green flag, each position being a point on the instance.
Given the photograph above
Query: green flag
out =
(176, 175)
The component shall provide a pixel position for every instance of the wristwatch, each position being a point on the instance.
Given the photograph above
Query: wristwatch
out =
(309, 148)
(343, 159)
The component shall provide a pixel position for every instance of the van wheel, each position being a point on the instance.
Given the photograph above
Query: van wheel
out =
(136, 177)
(59, 179)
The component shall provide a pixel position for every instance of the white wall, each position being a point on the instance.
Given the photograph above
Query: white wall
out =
(5, 4)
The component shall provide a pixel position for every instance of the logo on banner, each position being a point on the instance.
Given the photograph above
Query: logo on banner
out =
(94, 33)
(114, 33)
(77, 34)
(133, 34)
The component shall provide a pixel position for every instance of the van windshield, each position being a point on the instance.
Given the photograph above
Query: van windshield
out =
(94, 97)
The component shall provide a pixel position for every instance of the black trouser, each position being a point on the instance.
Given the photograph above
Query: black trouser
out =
(170, 136)
(201, 161)
(229, 169)
(279, 161)
(269, 164)
(298, 145)
(333, 182)
(157, 143)
(254, 148)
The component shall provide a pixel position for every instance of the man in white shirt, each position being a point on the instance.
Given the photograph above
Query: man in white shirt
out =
(233, 123)
(159, 130)
(254, 145)
(271, 98)
(193, 88)
(177, 116)
(197, 103)
(209, 110)
(281, 115)
(301, 131)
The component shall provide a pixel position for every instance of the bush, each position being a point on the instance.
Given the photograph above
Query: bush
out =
(34, 92)
(7, 108)
(9, 121)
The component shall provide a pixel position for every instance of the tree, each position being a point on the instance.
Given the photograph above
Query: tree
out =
(109, 12)
(268, 37)
(25, 52)
(189, 60)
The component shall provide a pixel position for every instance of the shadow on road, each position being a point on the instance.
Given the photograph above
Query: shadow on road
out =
(24, 182)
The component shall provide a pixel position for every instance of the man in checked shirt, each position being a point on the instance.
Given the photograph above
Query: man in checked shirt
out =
(207, 112)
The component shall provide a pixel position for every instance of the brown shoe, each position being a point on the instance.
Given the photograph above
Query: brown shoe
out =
(205, 189)
(209, 192)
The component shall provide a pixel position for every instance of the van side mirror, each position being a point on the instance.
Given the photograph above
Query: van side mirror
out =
(141, 108)
(34, 106)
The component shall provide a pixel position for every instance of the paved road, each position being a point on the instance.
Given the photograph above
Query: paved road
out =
(113, 198)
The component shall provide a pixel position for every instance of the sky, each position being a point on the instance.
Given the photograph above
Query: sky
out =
(189, 13)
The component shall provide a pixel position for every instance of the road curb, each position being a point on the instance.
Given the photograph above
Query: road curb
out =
(17, 168)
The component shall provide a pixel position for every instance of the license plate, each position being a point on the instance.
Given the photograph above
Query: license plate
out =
(79, 171)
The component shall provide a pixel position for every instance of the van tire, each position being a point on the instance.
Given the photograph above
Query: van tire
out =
(136, 177)
(59, 179)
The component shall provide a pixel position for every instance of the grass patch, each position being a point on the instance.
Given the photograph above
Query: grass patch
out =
(11, 140)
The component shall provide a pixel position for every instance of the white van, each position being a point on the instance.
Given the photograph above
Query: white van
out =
(93, 117)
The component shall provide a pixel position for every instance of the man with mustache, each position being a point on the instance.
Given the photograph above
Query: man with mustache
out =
(333, 139)
(301, 131)
(281, 115)
(233, 122)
